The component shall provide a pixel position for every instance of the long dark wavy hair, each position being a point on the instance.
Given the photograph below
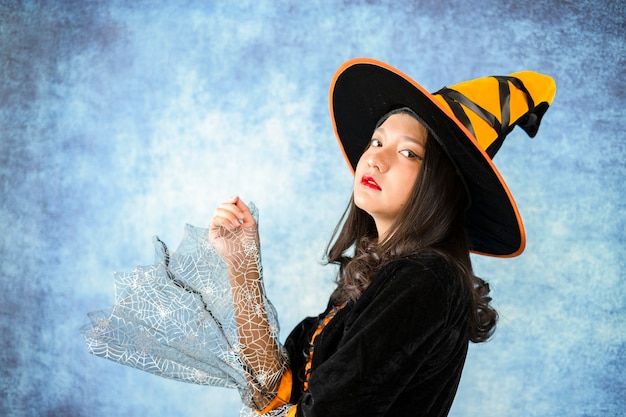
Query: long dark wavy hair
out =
(431, 222)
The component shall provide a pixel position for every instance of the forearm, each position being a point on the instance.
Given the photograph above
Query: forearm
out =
(234, 235)
(259, 348)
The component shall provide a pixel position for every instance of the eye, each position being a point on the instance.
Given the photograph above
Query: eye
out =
(411, 155)
(375, 143)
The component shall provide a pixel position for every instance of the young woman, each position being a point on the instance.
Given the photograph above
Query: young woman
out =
(394, 337)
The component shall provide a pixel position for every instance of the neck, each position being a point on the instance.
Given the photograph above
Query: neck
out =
(384, 232)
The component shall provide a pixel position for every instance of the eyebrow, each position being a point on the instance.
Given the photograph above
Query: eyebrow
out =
(415, 141)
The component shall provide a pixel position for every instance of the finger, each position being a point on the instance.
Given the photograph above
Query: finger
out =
(235, 206)
(247, 218)
(230, 209)
(227, 216)
(219, 223)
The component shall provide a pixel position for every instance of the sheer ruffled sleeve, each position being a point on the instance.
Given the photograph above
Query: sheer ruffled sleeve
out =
(177, 319)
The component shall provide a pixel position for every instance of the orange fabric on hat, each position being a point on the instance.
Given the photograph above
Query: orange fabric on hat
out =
(541, 87)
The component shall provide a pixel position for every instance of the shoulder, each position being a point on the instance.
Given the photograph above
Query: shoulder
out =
(414, 292)
(426, 286)
(421, 280)
(417, 273)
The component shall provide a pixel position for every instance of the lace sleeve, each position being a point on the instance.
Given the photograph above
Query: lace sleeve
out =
(259, 350)
(181, 319)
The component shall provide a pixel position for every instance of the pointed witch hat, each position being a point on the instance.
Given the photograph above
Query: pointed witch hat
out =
(470, 120)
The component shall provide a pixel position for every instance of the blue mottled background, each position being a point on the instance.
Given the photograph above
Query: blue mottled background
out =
(120, 120)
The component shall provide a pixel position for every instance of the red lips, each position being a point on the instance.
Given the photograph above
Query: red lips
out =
(370, 183)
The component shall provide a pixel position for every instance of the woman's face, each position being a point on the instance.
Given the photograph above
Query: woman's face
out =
(388, 169)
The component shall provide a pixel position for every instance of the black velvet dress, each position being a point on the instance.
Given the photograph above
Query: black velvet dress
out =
(397, 351)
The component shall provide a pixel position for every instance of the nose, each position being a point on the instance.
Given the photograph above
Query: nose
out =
(377, 161)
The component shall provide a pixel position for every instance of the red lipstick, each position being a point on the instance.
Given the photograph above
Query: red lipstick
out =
(370, 183)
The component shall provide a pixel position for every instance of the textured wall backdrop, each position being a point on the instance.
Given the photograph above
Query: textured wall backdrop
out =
(120, 120)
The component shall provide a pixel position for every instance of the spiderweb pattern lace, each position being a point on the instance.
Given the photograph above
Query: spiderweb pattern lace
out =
(177, 319)
(277, 412)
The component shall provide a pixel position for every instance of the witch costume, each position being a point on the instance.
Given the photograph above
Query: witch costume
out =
(399, 349)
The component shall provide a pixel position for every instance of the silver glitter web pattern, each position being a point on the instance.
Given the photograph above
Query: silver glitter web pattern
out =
(176, 319)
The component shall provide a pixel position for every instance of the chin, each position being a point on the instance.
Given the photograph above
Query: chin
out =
(360, 202)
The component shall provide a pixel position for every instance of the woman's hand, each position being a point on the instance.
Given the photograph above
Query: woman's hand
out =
(233, 233)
